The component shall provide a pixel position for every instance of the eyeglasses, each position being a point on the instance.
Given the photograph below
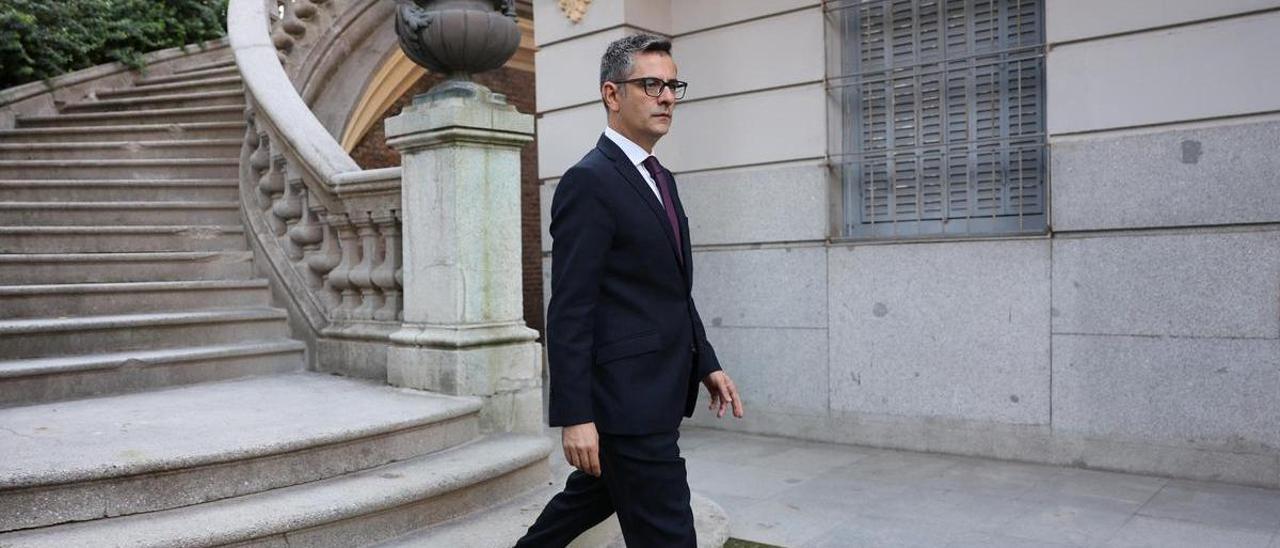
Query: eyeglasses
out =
(653, 86)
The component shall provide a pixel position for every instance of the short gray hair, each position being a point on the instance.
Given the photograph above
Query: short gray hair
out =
(620, 56)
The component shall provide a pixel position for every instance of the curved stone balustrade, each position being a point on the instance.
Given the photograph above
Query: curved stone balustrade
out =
(329, 231)
(431, 304)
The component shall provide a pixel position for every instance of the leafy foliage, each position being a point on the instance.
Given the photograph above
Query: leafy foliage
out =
(40, 39)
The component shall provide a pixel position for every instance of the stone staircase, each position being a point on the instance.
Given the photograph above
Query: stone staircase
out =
(151, 395)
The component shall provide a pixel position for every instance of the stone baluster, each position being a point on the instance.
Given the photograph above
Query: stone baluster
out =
(325, 260)
(306, 236)
(272, 187)
(260, 161)
(339, 277)
(305, 10)
(291, 23)
(251, 140)
(400, 284)
(362, 275)
(282, 37)
(288, 209)
(384, 276)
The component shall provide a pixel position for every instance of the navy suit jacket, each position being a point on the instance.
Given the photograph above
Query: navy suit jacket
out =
(626, 346)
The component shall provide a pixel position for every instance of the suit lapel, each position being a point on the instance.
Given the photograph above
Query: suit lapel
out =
(631, 175)
(686, 248)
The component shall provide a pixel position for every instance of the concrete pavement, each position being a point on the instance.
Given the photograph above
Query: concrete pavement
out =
(806, 494)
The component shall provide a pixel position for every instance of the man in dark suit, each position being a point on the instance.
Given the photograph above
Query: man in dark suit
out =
(627, 348)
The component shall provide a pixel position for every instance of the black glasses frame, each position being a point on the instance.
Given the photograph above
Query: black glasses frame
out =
(653, 86)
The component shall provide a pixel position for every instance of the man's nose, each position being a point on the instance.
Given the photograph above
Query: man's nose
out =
(668, 96)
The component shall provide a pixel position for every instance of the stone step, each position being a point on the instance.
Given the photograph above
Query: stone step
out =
(47, 337)
(187, 76)
(214, 64)
(159, 149)
(136, 132)
(119, 213)
(149, 168)
(54, 300)
(152, 451)
(172, 100)
(55, 268)
(354, 509)
(220, 113)
(503, 525)
(218, 83)
(121, 239)
(123, 190)
(44, 380)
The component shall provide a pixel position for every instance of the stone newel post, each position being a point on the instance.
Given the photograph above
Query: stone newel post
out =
(463, 331)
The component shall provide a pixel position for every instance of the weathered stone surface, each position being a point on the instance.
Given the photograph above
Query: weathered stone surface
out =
(1147, 79)
(712, 61)
(773, 287)
(955, 329)
(756, 205)
(1149, 531)
(45, 300)
(1207, 284)
(1210, 393)
(464, 332)
(348, 510)
(461, 209)
(777, 370)
(42, 337)
(80, 460)
(576, 129)
(49, 379)
(1221, 174)
(1077, 19)
(125, 267)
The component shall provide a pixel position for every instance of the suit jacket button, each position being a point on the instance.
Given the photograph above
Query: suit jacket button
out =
(693, 348)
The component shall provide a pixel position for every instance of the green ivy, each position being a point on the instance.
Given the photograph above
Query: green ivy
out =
(40, 39)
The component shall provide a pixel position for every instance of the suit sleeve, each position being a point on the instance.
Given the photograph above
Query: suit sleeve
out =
(707, 361)
(582, 230)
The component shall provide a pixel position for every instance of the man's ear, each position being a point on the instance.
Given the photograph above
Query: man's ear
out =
(609, 93)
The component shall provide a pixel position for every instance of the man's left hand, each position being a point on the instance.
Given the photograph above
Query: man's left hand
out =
(723, 393)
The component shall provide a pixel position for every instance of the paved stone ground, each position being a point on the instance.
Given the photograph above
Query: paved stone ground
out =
(803, 494)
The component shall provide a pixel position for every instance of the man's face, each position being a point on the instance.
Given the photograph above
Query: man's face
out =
(642, 118)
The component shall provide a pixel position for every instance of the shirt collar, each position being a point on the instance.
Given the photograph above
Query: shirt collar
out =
(633, 151)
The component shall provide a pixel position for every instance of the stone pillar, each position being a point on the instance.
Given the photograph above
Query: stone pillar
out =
(463, 331)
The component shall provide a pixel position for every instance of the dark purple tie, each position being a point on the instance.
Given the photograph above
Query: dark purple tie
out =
(661, 177)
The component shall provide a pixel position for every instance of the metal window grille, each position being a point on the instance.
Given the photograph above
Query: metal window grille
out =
(943, 116)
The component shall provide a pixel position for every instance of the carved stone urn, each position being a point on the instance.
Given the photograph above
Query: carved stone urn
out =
(458, 37)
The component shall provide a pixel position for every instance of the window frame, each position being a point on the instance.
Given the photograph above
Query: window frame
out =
(845, 82)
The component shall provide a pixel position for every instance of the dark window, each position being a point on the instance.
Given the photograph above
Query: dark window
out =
(942, 115)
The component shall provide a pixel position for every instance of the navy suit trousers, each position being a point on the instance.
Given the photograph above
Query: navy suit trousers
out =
(642, 478)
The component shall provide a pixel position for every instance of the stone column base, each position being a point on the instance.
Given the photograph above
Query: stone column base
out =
(507, 375)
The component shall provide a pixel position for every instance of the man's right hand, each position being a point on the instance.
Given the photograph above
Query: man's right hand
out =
(582, 447)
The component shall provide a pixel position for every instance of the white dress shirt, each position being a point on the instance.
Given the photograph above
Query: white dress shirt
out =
(637, 156)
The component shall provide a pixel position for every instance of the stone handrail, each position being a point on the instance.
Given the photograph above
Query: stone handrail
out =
(330, 231)
(269, 85)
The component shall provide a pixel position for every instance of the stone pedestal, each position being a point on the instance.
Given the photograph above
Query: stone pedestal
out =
(463, 332)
